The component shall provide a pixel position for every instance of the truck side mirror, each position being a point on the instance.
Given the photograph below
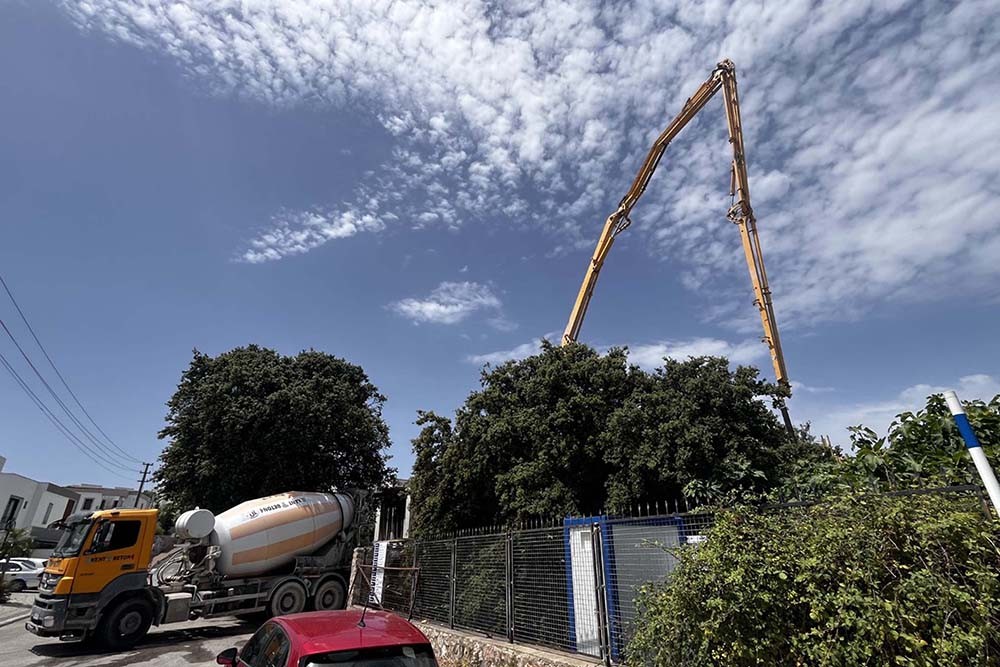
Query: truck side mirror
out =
(227, 657)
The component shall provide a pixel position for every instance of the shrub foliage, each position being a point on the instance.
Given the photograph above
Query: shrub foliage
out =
(861, 580)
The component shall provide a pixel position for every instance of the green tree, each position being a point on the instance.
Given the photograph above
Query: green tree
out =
(920, 449)
(695, 428)
(924, 447)
(251, 422)
(572, 431)
(18, 543)
(425, 478)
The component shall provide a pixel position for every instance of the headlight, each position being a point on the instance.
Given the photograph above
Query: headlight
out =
(50, 580)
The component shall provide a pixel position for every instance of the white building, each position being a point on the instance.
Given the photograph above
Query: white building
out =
(392, 512)
(27, 504)
(94, 497)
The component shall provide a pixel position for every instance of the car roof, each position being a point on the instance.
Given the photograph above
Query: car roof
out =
(325, 631)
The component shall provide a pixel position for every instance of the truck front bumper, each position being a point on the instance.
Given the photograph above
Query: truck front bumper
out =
(49, 619)
(48, 616)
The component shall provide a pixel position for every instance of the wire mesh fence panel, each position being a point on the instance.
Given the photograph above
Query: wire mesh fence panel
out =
(542, 593)
(481, 583)
(398, 578)
(433, 592)
(391, 583)
(637, 552)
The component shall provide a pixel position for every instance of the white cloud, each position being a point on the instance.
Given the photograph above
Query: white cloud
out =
(449, 303)
(865, 123)
(648, 356)
(833, 420)
(298, 232)
(518, 352)
(799, 387)
(651, 355)
(501, 323)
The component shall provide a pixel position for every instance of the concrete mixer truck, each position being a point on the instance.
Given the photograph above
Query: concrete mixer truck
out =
(276, 555)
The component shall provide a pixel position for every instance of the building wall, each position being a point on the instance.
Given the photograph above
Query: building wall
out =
(59, 505)
(24, 488)
(110, 497)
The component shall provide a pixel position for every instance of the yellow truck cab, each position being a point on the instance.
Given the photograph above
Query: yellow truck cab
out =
(97, 579)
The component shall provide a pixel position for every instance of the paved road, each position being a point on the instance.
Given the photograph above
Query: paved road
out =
(191, 643)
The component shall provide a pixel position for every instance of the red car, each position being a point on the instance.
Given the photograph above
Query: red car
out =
(334, 639)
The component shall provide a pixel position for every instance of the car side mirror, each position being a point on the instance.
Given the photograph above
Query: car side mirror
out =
(227, 657)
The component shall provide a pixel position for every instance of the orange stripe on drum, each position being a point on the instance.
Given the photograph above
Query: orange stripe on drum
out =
(283, 547)
(281, 518)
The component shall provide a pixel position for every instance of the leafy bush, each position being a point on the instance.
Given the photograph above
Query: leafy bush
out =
(861, 580)
(920, 449)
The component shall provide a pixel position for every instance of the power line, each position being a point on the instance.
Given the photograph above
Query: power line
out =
(90, 436)
(75, 441)
(38, 342)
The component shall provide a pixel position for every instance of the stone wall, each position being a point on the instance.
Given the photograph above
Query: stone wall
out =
(455, 648)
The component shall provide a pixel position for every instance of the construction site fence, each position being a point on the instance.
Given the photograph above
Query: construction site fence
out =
(571, 587)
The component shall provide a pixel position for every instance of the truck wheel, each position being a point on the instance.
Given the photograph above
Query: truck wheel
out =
(17, 586)
(125, 624)
(288, 598)
(330, 595)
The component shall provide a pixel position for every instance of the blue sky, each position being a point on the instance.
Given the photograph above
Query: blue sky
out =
(417, 188)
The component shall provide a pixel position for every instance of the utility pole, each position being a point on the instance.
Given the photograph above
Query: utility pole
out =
(142, 483)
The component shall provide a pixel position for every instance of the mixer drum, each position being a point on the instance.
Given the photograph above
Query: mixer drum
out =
(262, 534)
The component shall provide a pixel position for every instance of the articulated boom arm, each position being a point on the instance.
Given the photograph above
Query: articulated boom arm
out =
(723, 77)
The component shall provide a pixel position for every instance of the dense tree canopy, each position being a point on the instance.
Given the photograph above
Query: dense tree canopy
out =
(252, 422)
(572, 431)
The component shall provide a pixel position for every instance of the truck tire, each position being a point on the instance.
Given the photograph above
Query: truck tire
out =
(124, 624)
(330, 595)
(288, 598)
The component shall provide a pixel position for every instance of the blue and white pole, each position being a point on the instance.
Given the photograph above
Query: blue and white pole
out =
(975, 450)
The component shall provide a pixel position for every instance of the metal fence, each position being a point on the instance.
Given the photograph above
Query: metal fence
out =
(571, 587)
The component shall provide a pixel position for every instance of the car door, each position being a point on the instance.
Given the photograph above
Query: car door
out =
(11, 570)
(110, 553)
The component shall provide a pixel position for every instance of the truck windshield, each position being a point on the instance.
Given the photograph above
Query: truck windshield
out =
(382, 656)
(72, 539)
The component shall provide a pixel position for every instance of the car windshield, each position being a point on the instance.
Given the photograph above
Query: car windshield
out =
(419, 655)
(72, 539)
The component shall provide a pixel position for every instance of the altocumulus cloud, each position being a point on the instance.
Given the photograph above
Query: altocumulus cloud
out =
(449, 303)
(872, 173)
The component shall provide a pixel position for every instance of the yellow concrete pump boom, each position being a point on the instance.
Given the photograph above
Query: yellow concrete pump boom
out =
(723, 77)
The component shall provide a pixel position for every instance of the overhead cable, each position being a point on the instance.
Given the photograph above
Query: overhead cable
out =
(94, 456)
(31, 330)
(90, 436)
